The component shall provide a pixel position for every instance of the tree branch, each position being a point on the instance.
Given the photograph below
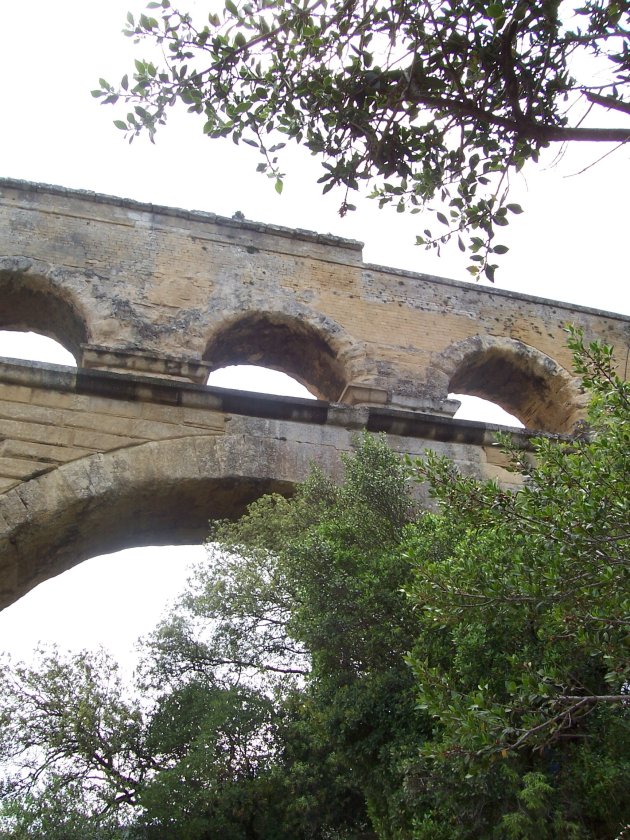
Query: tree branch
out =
(607, 101)
(525, 129)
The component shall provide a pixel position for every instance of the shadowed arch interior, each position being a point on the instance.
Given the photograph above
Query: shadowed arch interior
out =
(28, 302)
(523, 381)
(172, 513)
(286, 344)
(162, 493)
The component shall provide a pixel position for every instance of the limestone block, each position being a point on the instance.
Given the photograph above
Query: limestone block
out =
(22, 468)
(15, 393)
(37, 432)
(42, 452)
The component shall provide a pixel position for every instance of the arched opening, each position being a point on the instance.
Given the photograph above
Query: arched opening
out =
(288, 345)
(157, 493)
(30, 303)
(485, 411)
(259, 379)
(109, 601)
(517, 377)
(139, 498)
(33, 347)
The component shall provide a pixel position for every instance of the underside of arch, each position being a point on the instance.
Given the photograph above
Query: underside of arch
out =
(30, 302)
(288, 344)
(521, 379)
(156, 493)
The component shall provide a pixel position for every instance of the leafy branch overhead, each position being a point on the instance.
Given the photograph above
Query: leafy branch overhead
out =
(434, 101)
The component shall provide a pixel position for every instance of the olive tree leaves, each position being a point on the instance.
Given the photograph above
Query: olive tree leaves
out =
(425, 105)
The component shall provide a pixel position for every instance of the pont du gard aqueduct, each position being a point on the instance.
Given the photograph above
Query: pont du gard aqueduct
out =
(131, 447)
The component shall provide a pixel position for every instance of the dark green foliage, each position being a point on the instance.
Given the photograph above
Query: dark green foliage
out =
(58, 813)
(423, 102)
(215, 746)
(324, 572)
(522, 654)
(70, 719)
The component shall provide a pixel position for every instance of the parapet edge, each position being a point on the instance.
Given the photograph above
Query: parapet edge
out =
(495, 290)
(181, 213)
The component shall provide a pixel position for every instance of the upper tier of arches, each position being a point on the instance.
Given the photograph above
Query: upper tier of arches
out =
(315, 350)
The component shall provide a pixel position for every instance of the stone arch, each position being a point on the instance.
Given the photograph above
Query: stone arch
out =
(521, 379)
(31, 300)
(311, 349)
(155, 493)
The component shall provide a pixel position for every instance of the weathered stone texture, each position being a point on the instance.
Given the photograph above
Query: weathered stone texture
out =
(133, 449)
(47, 423)
(164, 292)
(83, 474)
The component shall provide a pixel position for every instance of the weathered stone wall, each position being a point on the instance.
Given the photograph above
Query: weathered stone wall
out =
(136, 288)
(91, 462)
(46, 421)
(132, 448)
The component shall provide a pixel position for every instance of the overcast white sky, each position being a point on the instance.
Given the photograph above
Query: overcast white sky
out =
(570, 244)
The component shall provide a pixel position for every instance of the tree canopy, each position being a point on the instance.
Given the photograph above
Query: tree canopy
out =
(434, 103)
(523, 617)
(274, 702)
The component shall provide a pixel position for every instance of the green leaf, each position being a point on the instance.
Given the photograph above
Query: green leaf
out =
(326, 80)
(279, 186)
(121, 125)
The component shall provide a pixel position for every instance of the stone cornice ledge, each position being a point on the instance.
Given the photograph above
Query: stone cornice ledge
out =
(393, 421)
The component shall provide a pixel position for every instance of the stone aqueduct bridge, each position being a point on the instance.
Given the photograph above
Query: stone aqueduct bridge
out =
(132, 448)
